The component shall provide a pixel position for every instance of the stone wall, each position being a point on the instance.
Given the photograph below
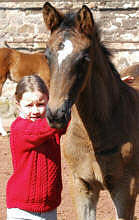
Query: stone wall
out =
(22, 27)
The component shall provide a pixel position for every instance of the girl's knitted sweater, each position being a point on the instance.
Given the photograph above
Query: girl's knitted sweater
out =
(35, 184)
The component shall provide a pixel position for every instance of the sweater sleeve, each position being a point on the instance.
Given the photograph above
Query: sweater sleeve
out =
(30, 134)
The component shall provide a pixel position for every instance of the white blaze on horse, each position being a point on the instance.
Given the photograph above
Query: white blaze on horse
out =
(65, 51)
(102, 141)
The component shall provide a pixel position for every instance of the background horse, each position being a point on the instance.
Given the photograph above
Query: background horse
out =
(102, 141)
(14, 65)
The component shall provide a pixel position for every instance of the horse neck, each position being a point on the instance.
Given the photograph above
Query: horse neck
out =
(101, 93)
(105, 104)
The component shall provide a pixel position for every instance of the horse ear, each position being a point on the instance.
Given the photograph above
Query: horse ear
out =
(84, 20)
(52, 18)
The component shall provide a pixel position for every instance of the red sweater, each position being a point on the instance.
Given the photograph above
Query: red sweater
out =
(35, 184)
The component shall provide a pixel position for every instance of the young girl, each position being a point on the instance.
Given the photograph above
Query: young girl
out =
(34, 189)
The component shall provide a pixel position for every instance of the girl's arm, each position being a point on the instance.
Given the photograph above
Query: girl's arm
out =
(30, 134)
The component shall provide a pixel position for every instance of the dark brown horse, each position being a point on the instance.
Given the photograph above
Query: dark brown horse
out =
(14, 65)
(102, 141)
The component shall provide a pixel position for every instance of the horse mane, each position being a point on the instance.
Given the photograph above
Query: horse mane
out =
(108, 54)
(114, 93)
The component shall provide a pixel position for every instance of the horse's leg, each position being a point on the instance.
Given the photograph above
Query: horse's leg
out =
(124, 197)
(85, 197)
(3, 78)
(1, 85)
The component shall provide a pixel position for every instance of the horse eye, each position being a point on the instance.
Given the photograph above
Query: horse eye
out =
(87, 58)
(61, 46)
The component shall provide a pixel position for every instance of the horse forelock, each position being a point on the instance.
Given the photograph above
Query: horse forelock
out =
(68, 21)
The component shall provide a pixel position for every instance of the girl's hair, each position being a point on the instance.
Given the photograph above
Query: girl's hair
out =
(30, 83)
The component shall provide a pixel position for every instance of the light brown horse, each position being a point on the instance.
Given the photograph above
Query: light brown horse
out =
(102, 141)
(14, 65)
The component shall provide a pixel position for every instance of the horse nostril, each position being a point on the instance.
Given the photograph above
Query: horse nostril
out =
(61, 115)
(50, 115)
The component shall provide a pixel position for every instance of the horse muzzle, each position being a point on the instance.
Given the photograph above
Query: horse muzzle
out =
(60, 117)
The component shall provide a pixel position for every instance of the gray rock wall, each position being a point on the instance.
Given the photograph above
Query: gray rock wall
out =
(22, 27)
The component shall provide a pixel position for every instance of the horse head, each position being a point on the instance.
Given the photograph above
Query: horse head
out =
(69, 55)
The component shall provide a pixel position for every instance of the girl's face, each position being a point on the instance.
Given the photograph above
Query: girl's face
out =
(33, 105)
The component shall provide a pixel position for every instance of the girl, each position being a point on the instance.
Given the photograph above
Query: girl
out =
(34, 189)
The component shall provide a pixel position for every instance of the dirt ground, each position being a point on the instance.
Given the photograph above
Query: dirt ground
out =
(66, 211)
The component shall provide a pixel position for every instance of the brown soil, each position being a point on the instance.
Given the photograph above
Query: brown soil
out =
(66, 211)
